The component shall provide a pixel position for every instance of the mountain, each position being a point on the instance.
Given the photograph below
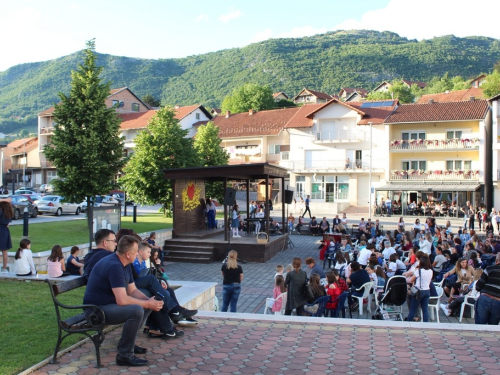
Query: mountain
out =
(325, 62)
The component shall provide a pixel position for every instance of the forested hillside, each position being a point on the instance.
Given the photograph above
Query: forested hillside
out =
(324, 62)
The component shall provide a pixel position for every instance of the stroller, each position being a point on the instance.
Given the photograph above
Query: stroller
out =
(390, 302)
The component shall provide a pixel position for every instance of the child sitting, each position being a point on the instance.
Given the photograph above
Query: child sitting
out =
(335, 287)
(279, 288)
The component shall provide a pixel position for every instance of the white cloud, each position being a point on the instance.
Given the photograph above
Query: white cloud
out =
(262, 35)
(230, 16)
(202, 17)
(298, 32)
(427, 19)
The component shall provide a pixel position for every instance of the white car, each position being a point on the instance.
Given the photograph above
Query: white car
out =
(101, 200)
(55, 204)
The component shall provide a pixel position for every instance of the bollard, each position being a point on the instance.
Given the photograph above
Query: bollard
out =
(135, 214)
(26, 219)
(124, 208)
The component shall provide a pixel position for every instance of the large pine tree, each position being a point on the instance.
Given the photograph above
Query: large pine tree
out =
(86, 146)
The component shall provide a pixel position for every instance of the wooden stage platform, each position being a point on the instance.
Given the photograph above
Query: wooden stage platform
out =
(206, 246)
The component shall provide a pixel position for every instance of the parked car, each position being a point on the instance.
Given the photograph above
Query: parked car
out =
(99, 201)
(46, 189)
(120, 197)
(25, 190)
(19, 203)
(55, 204)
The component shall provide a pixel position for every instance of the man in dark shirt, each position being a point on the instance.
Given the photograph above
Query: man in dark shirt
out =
(105, 247)
(356, 280)
(488, 303)
(308, 209)
(111, 287)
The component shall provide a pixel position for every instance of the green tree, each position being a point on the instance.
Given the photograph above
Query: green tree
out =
(401, 91)
(163, 145)
(284, 103)
(491, 85)
(210, 152)
(379, 95)
(24, 133)
(249, 96)
(86, 146)
(151, 100)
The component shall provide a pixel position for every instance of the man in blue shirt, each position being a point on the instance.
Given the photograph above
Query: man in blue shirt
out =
(307, 207)
(111, 287)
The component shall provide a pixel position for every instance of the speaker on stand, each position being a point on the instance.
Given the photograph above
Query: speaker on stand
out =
(288, 201)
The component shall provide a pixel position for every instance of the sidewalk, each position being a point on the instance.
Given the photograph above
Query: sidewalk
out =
(245, 344)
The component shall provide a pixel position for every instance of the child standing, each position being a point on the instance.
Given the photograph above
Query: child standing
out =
(279, 288)
(279, 271)
(236, 221)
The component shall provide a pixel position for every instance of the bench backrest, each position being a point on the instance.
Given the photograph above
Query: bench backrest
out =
(66, 286)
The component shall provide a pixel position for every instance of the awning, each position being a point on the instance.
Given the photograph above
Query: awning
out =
(429, 187)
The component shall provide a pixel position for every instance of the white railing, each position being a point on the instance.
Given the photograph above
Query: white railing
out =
(435, 144)
(447, 175)
(357, 165)
(340, 135)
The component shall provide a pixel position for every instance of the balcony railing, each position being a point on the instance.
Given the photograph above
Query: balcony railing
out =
(435, 144)
(357, 165)
(341, 136)
(448, 175)
(47, 130)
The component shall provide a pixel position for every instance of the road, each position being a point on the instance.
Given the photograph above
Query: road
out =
(47, 218)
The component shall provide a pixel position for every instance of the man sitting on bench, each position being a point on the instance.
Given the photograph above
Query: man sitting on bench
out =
(111, 287)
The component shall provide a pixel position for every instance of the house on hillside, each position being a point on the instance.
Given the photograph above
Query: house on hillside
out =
(437, 154)
(21, 163)
(190, 117)
(277, 96)
(215, 112)
(452, 96)
(349, 94)
(385, 86)
(478, 81)
(330, 157)
(123, 100)
(307, 96)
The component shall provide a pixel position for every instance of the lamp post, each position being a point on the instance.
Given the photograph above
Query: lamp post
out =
(370, 180)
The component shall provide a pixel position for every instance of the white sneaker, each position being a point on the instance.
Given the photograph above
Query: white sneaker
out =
(5, 270)
(444, 307)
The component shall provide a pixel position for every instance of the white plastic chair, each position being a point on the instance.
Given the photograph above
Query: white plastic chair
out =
(271, 301)
(467, 302)
(434, 303)
(366, 287)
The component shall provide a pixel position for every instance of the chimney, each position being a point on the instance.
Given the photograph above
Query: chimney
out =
(431, 101)
(251, 112)
(228, 114)
(177, 106)
(472, 98)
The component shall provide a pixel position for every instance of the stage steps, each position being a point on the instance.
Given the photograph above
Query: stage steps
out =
(188, 251)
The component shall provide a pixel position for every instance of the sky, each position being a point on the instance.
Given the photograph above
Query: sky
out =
(39, 30)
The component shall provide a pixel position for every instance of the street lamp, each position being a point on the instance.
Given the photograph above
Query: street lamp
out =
(371, 158)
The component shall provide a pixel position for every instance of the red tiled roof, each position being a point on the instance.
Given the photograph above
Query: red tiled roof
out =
(136, 120)
(311, 114)
(453, 96)
(375, 115)
(47, 112)
(418, 83)
(200, 123)
(20, 142)
(435, 112)
(269, 122)
(114, 91)
(181, 112)
(301, 119)
(319, 95)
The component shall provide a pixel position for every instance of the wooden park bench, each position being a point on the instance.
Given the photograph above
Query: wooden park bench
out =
(77, 323)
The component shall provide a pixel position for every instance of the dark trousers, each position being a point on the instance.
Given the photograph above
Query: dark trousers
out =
(307, 210)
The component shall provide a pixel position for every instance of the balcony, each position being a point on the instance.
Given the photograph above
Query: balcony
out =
(439, 175)
(358, 166)
(341, 136)
(434, 144)
(47, 130)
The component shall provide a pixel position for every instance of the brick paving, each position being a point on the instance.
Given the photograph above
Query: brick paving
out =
(239, 344)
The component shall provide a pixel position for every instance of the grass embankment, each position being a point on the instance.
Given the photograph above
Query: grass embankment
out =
(28, 326)
(74, 232)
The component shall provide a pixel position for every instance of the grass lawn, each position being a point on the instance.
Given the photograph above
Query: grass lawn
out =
(28, 326)
(74, 232)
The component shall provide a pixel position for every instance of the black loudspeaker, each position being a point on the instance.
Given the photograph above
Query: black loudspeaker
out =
(230, 196)
(289, 196)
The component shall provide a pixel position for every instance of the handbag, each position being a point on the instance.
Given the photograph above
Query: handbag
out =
(414, 291)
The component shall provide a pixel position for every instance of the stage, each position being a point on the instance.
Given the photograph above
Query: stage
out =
(206, 246)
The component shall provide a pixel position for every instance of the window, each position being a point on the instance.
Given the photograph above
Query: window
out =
(414, 164)
(274, 149)
(330, 188)
(135, 107)
(51, 175)
(452, 134)
(197, 116)
(115, 103)
(459, 164)
(413, 135)
(285, 155)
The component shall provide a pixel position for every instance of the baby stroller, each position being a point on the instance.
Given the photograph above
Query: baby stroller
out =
(390, 302)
